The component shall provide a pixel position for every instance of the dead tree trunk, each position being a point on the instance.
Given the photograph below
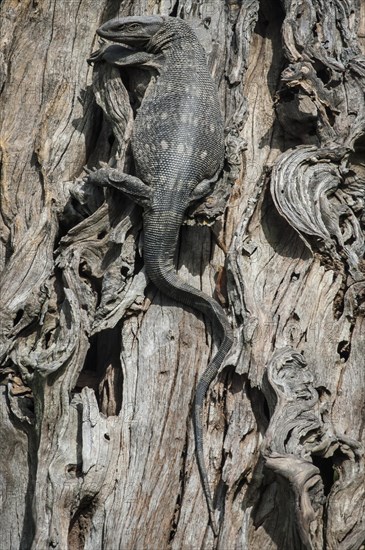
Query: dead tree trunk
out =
(98, 369)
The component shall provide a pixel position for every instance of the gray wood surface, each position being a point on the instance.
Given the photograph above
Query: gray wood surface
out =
(98, 369)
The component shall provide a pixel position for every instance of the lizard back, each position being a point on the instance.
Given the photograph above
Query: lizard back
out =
(178, 138)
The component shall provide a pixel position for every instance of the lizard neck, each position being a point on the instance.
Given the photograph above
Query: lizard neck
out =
(174, 35)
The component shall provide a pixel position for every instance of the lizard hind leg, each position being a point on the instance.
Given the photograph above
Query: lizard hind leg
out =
(204, 187)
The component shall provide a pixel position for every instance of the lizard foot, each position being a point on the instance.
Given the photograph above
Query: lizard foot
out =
(98, 55)
(98, 176)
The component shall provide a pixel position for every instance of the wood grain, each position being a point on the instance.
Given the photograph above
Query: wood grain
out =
(98, 369)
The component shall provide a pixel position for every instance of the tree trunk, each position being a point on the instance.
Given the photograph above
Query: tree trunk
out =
(98, 369)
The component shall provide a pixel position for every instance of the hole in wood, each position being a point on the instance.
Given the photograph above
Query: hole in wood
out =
(174, 9)
(102, 371)
(343, 350)
(325, 466)
(81, 523)
(74, 470)
(18, 317)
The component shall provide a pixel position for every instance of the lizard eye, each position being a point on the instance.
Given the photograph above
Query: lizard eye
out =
(133, 26)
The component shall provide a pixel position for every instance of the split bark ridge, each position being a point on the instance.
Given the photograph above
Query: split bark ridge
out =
(98, 370)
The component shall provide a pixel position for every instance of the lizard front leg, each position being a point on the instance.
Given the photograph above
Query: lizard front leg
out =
(131, 186)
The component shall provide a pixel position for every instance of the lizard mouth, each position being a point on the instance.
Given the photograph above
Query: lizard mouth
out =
(130, 41)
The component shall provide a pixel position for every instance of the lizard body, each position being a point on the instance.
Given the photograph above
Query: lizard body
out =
(178, 150)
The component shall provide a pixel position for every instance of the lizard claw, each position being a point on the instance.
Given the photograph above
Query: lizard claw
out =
(94, 57)
(97, 176)
(94, 169)
(97, 56)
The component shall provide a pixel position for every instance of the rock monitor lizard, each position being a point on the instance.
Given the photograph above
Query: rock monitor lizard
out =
(178, 151)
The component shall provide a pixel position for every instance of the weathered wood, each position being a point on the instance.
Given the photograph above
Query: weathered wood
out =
(98, 369)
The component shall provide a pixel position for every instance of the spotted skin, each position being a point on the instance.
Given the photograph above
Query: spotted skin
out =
(178, 149)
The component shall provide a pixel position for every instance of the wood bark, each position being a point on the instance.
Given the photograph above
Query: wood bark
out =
(98, 369)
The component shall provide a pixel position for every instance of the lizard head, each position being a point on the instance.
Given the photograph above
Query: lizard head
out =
(133, 31)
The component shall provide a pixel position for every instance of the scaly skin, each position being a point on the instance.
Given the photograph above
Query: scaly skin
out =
(178, 150)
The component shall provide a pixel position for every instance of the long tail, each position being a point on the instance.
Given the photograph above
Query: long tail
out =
(159, 256)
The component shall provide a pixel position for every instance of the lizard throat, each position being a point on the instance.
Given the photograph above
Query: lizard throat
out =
(160, 41)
